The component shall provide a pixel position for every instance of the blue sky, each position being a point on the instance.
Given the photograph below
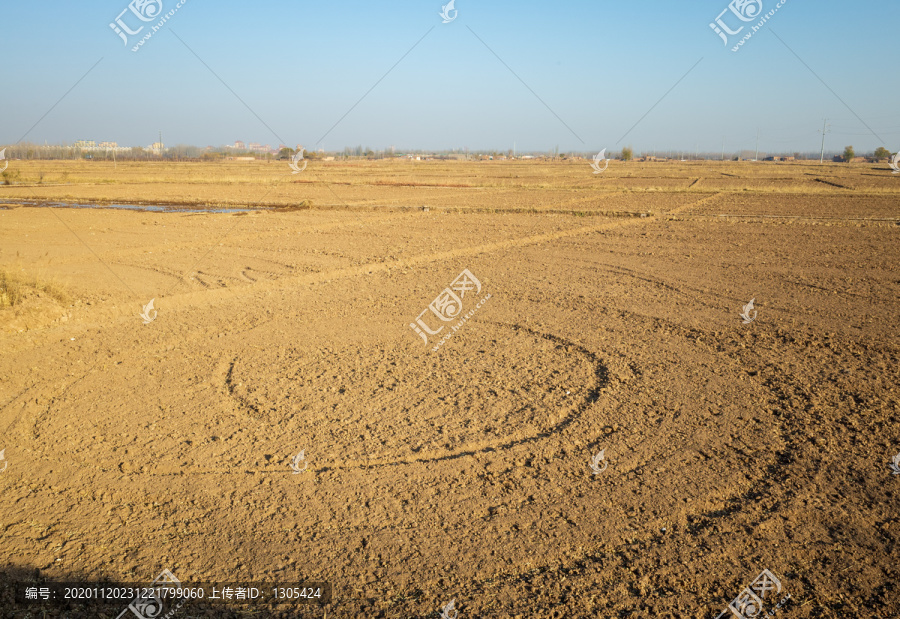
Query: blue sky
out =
(598, 66)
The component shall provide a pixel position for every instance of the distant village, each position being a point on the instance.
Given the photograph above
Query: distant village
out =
(253, 151)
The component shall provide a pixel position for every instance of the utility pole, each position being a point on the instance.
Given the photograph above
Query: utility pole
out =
(824, 131)
(723, 148)
(757, 145)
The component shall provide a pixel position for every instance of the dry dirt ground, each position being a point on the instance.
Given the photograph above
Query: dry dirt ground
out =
(463, 473)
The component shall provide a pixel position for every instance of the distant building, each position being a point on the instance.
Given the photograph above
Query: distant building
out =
(775, 158)
(103, 147)
(253, 147)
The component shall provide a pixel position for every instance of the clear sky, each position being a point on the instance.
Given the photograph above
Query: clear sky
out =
(595, 69)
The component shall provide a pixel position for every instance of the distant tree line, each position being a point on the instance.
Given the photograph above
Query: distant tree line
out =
(880, 154)
(186, 152)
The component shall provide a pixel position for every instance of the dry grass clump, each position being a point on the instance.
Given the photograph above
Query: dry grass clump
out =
(14, 288)
(10, 177)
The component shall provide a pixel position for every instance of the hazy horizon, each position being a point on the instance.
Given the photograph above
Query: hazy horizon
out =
(687, 154)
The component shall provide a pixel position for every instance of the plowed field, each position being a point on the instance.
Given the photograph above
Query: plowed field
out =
(599, 313)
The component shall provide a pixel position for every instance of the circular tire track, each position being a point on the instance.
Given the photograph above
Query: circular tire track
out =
(416, 407)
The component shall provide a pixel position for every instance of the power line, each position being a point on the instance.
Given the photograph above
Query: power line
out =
(825, 130)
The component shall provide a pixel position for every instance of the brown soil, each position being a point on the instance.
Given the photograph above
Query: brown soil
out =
(465, 473)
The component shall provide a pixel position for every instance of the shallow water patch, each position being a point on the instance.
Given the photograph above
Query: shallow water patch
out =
(156, 208)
